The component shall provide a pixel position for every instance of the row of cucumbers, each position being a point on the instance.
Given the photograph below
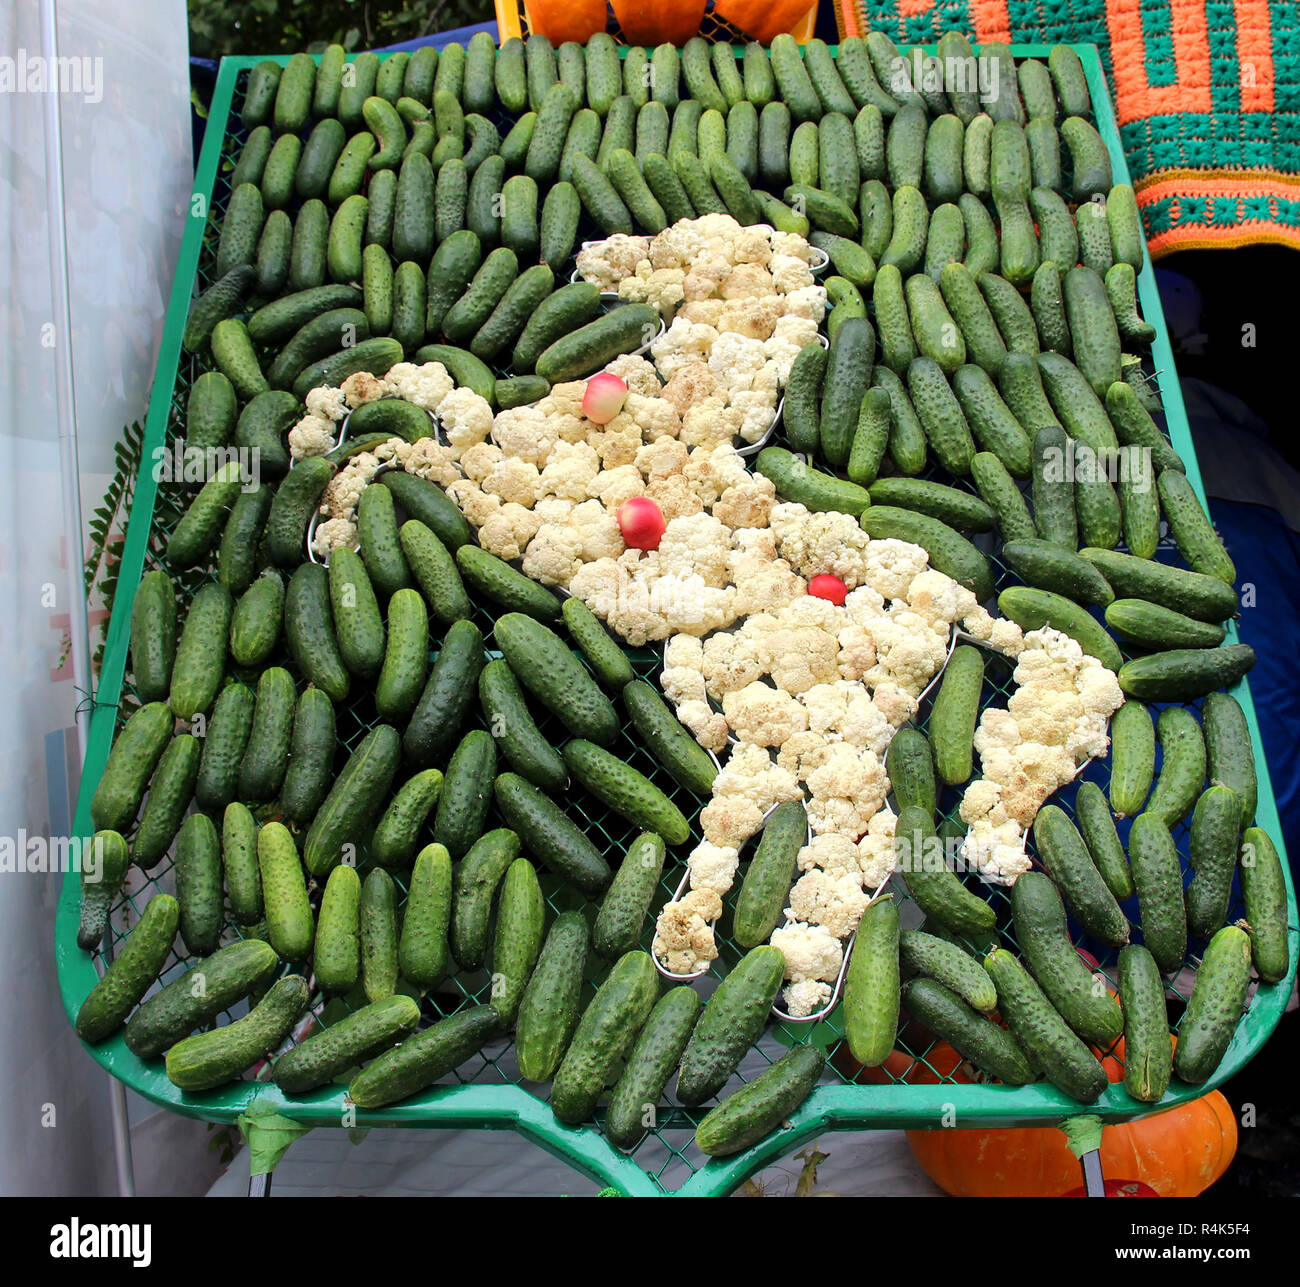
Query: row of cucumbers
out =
(812, 80)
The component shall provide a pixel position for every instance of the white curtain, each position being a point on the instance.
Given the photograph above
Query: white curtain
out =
(126, 169)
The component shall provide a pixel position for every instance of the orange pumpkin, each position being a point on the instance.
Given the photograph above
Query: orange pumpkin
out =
(655, 22)
(563, 20)
(762, 19)
(1179, 1152)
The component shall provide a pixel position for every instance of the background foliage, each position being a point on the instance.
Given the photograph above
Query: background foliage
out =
(219, 27)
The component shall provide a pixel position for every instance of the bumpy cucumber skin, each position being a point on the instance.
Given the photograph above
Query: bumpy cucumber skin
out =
(435, 572)
(1148, 1051)
(625, 790)
(209, 1059)
(604, 654)
(1182, 674)
(284, 893)
(1049, 567)
(377, 915)
(956, 710)
(549, 1010)
(348, 813)
(1159, 881)
(406, 656)
(1066, 858)
(1182, 771)
(1001, 494)
(604, 1035)
(336, 955)
(494, 579)
(422, 1059)
(170, 791)
(435, 725)
(396, 833)
(974, 1037)
(342, 1045)
(1133, 758)
(1152, 626)
(198, 883)
(311, 758)
(1197, 540)
(466, 793)
(946, 963)
(227, 976)
(543, 663)
(949, 551)
(521, 915)
(766, 887)
(871, 987)
(1031, 609)
(200, 654)
(651, 1063)
(550, 834)
(730, 1024)
(1099, 834)
(474, 887)
(935, 887)
(1216, 822)
(131, 762)
(266, 756)
(101, 880)
(256, 621)
(1230, 757)
(759, 1107)
(526, 749)
(423, 953)
(1041, 1032)
(1217, 1001)
(131, 972)
(1079, 997)
(623, 910)
(1263, 888)
(153, 636)
(817, 491)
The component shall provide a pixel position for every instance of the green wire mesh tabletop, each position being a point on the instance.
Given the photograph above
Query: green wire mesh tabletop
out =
(488, 1091)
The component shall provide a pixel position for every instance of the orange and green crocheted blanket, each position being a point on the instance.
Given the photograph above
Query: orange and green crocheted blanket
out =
(1207, 93)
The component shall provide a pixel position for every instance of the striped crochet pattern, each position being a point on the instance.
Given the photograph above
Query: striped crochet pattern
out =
(1207, 94)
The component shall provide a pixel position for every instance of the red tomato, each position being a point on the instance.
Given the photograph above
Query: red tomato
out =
(604, 398)
(642, 523)
(828, 587)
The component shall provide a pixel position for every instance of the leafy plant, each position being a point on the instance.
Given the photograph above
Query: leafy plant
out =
(107, 526)
(219, 27)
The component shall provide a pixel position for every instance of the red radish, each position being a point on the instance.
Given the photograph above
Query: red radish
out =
(604, 398)
(828, 587)
(642, 522)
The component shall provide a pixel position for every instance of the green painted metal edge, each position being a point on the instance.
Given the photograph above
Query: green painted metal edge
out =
(508, 1107)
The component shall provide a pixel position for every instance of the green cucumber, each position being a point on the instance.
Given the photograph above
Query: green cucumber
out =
(1230, 757)
(1215, 1007)
(1159, 881)
(1148, 1052)
(549, 1010)
(517, 736)
(1263, 889)
(1032, 609)
(940, 412)
(955, 713)
(495, 580)
(266, 755)
(199, 668)
(345, 820)
(131, 972)
(397, 831)
(153, 636)
(198, 883)
(1047, 566)
(423, 951)
(336, 954)
(104, 861)
(311, 757)
(521, 911)
(434, 727)
(871, 986)
(1133, 758)
(1001, 494)
(1152, 626)
(359, 1035)
(947, 964)
(666, 739)
(625, 790)
(1192, 593)
(1191, 529)
(1098, 827)
(818, 491)
(224, 743)
(947, 1014)
(605, 656)
(1216, 823)
(550, 834)
(934, 886)
(949, 552)
(910, 764)
(170, 791)
(377, 919)
(1067, 860)
(309, 631)
(425, 501)
(623, 909)
(466, 793)
(755, 1110)
(766, 886)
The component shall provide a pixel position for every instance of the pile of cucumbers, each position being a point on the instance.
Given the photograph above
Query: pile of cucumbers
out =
(369, 776)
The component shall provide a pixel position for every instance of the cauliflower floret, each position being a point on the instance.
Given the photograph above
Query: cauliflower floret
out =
(683, 684)
(614, 486)
(747, 281)
(662, 458)
(426, 386)
(832, 899)
(311, 436)
(362, 387)
(554, 555)
(514, 480)
(711, 423)
(466, 419)
(327, 403)
(569, 472)
(607, 262)
(894, 704)
(757, 410)
(598, 530)
(811, 952)
(684, 650)
(525, 433)
(763, 715)
(730, 820)
(806, 997)
(334, 534)
(617, 442)
(691, 383)
(857, 651)
(831, 543)
(789, 273)
(344, 490)
(891, 566)
(711, 471)
(909, 651)
(803, 656)
(803, 752)
(713, 866)
(750, 773)
(736, 359)
(698, 545)
(790, 243)
(636, 372)
(688, 603)
(752, 316)
(996, 850)
(847, 790)
(661, 288)
(706, 725)
(808, 302)
(681, 343)
(767, 589)
(728, 663)
(829, 852)
(674, 497)
(476, 504)
(479, 461)
(877, 857)
(939, 599)
(656, 417)
(507, 532)
(683, 941)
